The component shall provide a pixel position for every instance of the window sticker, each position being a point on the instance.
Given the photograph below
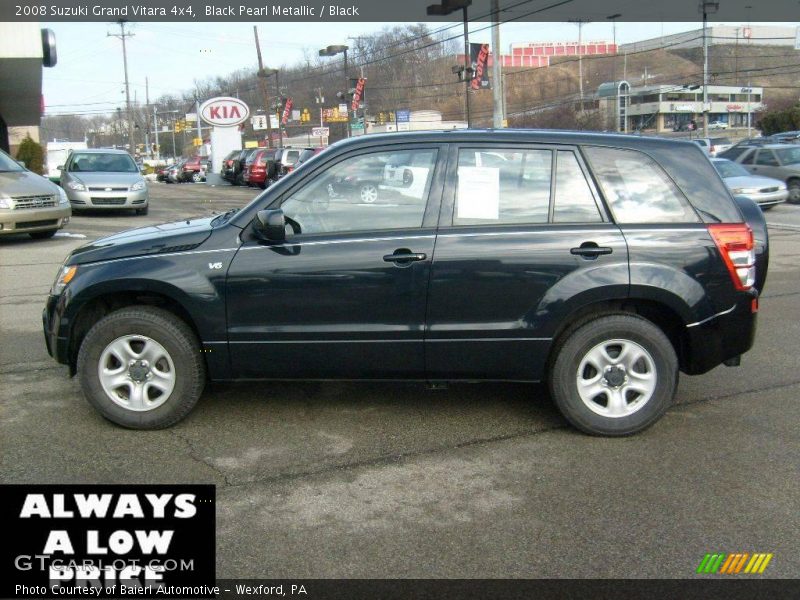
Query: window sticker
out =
(478, 193)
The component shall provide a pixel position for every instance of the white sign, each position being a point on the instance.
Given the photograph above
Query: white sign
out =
(259, 122)
(224, 111)
(295, 115)
(320, 131)
(478, 193)
(684, 107)
(191, 117)
(343, 109)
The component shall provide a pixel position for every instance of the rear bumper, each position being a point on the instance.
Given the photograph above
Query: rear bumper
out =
(728, 334)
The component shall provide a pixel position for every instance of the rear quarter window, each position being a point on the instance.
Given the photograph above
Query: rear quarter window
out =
(637, 188)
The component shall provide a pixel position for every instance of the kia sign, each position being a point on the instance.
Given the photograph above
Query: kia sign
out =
(224, 111)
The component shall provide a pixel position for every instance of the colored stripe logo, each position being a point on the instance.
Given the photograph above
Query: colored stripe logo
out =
(733, 564)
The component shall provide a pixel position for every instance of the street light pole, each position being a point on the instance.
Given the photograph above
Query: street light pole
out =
(122, 35)
(613, 18)
(706, 7)
(262, 75)
(497, 89)
(445, 8)
(333, 51)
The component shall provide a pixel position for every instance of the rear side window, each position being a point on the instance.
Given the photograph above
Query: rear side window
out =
(498, 187)
(732, 153)
(767, 158)
(637, 188)
(574, 201)
(748, 160)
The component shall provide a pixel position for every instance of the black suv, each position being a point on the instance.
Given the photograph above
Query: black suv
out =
(603, 264)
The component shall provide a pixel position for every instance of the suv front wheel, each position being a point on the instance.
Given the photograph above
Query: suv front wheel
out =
(615, 375)
(141, 367)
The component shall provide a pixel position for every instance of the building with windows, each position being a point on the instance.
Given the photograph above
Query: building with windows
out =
(671, 107)
(24, 49)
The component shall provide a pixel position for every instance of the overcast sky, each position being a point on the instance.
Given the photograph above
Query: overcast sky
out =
(89, 74)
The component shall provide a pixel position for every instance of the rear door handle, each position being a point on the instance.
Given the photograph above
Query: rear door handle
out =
(403, 256)
(590, 250)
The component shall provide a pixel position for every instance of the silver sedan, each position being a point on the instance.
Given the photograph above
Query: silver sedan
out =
(764, 191)
(104, 179)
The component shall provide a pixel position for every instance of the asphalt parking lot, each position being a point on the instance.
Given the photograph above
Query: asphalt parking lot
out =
(393, 480)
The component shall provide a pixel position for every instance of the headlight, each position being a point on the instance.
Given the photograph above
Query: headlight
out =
(77, 186)
(5, 203)
(62, 196)
(139, 185)
(65, 275)
(744, 191)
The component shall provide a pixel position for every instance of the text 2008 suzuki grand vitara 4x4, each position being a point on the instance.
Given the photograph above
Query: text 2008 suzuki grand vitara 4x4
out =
(603, 264)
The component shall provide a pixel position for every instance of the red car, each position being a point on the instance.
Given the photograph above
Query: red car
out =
(258, 169)
(195, 169)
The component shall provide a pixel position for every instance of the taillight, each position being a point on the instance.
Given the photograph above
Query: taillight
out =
(735, 243)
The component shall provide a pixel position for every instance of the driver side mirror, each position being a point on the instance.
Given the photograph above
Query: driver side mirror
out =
(60, 167)
(270, 225)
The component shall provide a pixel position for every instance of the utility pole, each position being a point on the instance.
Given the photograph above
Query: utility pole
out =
(580, 23)
(467, 65)
(122, 35)
(197, 116)
(155, 132)
(262, 78)
(497, 84)
(147, 117)
(706, 7)
(613, 18)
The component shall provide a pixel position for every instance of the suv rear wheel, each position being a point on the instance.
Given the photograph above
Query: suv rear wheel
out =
(615, 375)
(141, 367)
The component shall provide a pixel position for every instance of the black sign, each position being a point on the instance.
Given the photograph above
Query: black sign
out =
(90, 540)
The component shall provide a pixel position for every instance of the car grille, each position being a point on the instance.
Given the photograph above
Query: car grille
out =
(768, 190)
(109, 201)
(27, 202)
(108, 189)
(28, 224)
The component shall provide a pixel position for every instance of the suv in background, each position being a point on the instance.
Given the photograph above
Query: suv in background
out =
(29, 203)
(240, 165)
(227, 165)
(602, 264)
(778, 161)
(194, 169)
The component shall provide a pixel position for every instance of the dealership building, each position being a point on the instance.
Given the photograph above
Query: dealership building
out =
(25, 49)
(668, 107)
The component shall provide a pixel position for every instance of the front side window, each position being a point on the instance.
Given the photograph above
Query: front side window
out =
(766, 158)
(104, 163)
(8, 164)
(499, 187)
(749, 158)
(377, 191)
(637, 188)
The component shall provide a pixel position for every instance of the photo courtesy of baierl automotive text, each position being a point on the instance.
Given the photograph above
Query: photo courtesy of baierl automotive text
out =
(487, 299)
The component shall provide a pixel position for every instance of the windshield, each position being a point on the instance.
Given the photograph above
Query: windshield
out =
(727, 168)
(104, 163)
(8, 164)
(788, 156)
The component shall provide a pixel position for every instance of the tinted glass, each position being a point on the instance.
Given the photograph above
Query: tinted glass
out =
(766, 158)
(361, 193)
(732, 153)
(290, 157)
(749, 158)
(727, 168)
(498, 187)
(574, 200)
(637, 189)
(106, 163)
(789, 156)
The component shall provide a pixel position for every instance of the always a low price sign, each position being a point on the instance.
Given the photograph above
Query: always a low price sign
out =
(91, 540)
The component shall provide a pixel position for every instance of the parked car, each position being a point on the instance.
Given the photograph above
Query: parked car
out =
(652, 268)
(194, 169)
(29, 203)
(714, 146)
(248, 163)
(779, 161)
(174, 172)
(227, 165)
(786, 137)
(104, 180)
(764, 191)
(717, 125)
(261, 170)
(306, 154)
(240, 166)
(162, 172)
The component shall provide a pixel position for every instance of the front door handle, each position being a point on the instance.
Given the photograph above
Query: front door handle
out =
(404, 256)
(590, 250)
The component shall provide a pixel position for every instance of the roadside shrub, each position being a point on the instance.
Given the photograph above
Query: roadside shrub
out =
(776, 121)
(32, 154)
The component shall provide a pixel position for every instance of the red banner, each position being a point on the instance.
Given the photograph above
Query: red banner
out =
(479, 56)
(358, 93)
(287, 110)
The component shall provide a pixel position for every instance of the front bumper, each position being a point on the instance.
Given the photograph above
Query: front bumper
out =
(55, 332)
(768, 198)
(97, 200)
(35, 219)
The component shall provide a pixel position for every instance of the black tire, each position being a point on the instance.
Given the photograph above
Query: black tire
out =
(794, 191)
(174, 336)
(569, 354)
(143, 211)
(43, 235)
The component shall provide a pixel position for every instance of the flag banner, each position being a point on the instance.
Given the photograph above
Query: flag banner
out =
(479, 57)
